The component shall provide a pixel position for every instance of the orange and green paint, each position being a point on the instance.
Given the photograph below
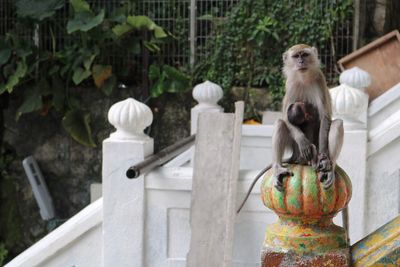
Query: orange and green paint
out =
(304, 196)
(305, 211)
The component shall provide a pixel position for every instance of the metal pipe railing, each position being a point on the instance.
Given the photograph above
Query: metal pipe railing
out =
(160, 158)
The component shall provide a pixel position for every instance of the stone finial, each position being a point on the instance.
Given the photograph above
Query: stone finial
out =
(348, 103)
(356, 78)
(130, 117)
(208, 94)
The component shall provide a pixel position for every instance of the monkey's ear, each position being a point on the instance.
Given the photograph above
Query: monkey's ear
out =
(315, 51)
(284, 56)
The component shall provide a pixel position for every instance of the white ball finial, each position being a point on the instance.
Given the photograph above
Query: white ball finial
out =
(130, 118)
(356, 78)
(348, 103)
(207, 94)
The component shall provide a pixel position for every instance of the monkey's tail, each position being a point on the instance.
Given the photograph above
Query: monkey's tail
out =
(252, 185)
(255, 181)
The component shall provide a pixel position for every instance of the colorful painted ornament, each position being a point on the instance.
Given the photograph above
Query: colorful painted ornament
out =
(305, 210)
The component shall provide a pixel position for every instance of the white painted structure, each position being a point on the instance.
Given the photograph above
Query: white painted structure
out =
(145, 222)
(383, 172)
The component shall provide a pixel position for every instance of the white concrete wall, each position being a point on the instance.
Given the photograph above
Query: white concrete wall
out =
(75, 243)
(382, 188)
(167, 231)
(85, 252)
(256, 146)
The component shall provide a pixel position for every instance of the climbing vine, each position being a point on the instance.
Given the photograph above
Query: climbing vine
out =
(249, 43)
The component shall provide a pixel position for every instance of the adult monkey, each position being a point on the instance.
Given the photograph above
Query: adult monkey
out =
(306, 89)
(305, 83)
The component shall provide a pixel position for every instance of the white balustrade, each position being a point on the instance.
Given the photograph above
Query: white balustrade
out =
(356, 78)
(350, 104)
(207, 94)
(130, 117)
(124, 199)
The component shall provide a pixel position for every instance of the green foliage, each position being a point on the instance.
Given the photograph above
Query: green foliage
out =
(77, 123)
(46, 76)
(37, 9)
(248, 45)
(3, 254)
(84, 21)
(167, 79)
(10, 218)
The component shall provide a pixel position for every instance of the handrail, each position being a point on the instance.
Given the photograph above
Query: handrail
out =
(160, 158)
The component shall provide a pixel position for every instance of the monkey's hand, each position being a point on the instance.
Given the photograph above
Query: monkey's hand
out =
(307, 149)
(324, 163)
(279, 174)
(326, 172)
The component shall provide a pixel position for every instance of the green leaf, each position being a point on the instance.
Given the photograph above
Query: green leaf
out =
(14, 78)
(37, 9)
(122, 29)
(84, 21)
(5, 51)
(176, 74)
(118, 15)
(159, 32)
(152, 47)
(3, 88)
(170, 80)
(77, 124)
(80, 74)
(32, 102)
(141, 22)
(158, 88)
(109, 85)
(5, 54)
(87, 63)
(3, 250)
(80, 5)
(154, 72)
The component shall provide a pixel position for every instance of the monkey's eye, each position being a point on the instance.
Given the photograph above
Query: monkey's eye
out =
(305, 55)
(295, 56)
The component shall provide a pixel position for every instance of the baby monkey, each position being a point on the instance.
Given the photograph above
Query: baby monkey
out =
(305, 116)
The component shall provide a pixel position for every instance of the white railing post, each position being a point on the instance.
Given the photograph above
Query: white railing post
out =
(351, 104)
(123, 199)
(207, 94)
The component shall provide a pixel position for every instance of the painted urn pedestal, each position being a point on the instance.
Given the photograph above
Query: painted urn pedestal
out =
(305, 234)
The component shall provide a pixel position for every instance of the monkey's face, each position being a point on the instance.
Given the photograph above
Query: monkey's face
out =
(301, 58)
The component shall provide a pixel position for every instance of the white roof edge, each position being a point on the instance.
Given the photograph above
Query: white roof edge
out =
(384, 134)
(383, 100)
(87, 219)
